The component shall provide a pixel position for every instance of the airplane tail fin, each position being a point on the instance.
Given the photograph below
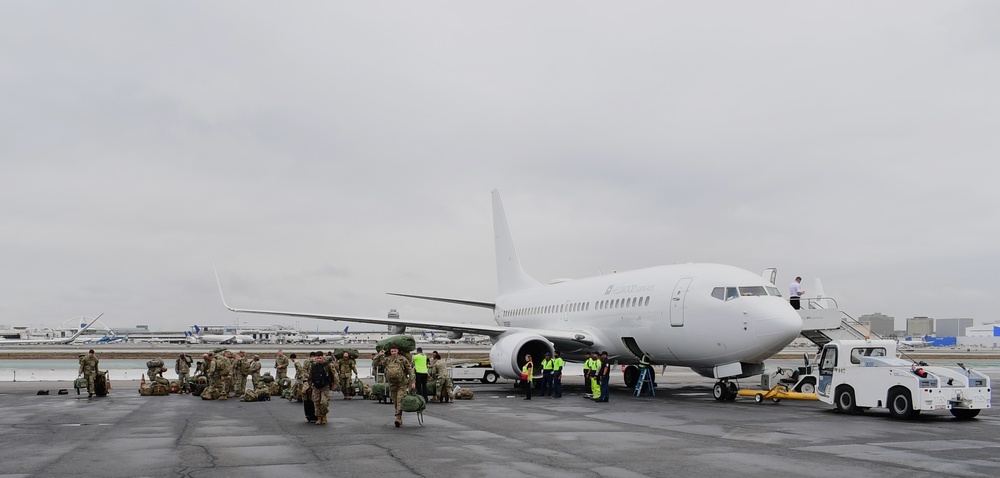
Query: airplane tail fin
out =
(345, 329)
(510, 276)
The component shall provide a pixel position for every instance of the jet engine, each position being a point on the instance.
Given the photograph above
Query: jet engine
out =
(507, 354)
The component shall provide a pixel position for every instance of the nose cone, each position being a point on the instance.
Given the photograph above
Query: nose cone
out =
(777, 327)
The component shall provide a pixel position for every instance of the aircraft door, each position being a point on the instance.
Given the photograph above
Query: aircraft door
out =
(677, 302)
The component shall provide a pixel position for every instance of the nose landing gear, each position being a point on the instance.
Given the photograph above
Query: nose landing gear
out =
(724, 390)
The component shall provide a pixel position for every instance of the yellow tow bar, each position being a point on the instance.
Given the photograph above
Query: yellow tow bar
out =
(775, 394)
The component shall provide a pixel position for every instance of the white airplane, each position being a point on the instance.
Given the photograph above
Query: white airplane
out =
(199, 337)
(62, 341)
(719, 320)
(433, 339)
(327, 338)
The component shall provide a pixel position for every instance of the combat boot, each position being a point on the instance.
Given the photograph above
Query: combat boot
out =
(399, 420)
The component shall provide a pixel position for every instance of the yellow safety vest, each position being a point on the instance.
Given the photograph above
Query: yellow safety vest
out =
(420, 363)
(547, 364)
(557, 363)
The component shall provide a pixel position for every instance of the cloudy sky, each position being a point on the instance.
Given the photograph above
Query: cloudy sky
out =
(323, 154)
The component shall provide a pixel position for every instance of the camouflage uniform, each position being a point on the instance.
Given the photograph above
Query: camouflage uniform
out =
(399, 374)
(183, 369)
(155, 375)
(88, 368)
(345, 368)
(231, 378)
(280, 366)
(255, 372)
(321, 395)
(241, 368)
(439, 370)
(221, 372)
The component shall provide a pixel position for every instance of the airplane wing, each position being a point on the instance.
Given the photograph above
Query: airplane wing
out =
(561, 338)
(62, 341)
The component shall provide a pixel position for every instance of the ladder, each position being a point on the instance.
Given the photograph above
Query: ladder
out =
(645, 380)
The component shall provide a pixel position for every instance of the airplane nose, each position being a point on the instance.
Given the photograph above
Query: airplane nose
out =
(778, 328)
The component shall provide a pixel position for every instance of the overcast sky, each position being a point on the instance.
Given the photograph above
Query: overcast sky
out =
(323, 154)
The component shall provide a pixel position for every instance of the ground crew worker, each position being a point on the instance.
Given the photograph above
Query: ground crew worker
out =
(527, 374)
(322, 376)
(548, 366)
(400, 375)
(280, 366)
(88, 369)
(255, 372)
(589, 371)
(604, 375)
(183, 369)
(595, 382)
(346, 369)
(420, 369)
(557, 371)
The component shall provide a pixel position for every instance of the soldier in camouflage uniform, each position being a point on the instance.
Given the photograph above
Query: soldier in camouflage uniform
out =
(241, 368)
(280, 366)
(321, 392)
(88, 368)
(399, 374)
(221, 372)
(439, 370)
(255, 372)
(183, 369)
(296, 387)
(347, 368)
(231, 378)
(155, 374)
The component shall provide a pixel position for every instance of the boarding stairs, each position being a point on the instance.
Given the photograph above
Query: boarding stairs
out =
(823, 322)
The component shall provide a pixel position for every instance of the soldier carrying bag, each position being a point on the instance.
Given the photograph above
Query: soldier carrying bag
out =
(318, 376)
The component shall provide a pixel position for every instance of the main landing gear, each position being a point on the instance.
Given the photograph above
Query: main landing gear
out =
(724, 390)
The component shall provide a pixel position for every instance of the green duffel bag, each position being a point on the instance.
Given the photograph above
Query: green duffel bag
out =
(432, 388)
(285, 382)
(413, 403)
(352, 353)
(380, 391)
(80, 383)
(155, 363)
(406, 343)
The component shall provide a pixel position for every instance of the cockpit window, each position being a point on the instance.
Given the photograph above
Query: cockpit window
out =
(749, 291)
(773, 291)
(719, 293)
(731, 293)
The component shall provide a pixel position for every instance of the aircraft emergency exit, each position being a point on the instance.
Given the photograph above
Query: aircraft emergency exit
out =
(719, 320)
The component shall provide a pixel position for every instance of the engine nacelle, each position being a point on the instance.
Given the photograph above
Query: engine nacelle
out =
(507, 354)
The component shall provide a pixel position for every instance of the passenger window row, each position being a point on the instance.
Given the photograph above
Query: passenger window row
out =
(579, 307)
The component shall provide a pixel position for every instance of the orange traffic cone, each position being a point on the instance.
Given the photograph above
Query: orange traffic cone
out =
(143, 380)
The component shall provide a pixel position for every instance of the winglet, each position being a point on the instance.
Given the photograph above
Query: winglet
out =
(223, 296)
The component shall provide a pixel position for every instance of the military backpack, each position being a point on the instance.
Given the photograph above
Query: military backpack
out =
(319, 377)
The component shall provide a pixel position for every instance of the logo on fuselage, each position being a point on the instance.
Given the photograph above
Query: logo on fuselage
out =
(628, 289)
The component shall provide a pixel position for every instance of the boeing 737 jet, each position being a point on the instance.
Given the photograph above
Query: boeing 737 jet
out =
(62, 341)
(719, 320)
(327, 338)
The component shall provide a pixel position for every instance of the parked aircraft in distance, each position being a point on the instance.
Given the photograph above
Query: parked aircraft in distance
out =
(200, 337)
(109, 338)
(433, 339)
(326, 338)
(719, 320)
(62, 341)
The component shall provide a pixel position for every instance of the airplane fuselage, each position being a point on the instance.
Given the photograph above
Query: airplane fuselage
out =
(667, 312)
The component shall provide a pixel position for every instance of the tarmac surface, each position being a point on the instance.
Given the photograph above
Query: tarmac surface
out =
(681, 431)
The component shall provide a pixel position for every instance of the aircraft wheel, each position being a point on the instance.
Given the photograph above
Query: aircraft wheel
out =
(719, 391)
(844, 400)
(631, 376)
(901, 404)
(733, 391)
(759, 398)
(964, 413)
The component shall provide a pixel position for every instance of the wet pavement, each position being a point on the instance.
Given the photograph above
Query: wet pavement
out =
(680, 432)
